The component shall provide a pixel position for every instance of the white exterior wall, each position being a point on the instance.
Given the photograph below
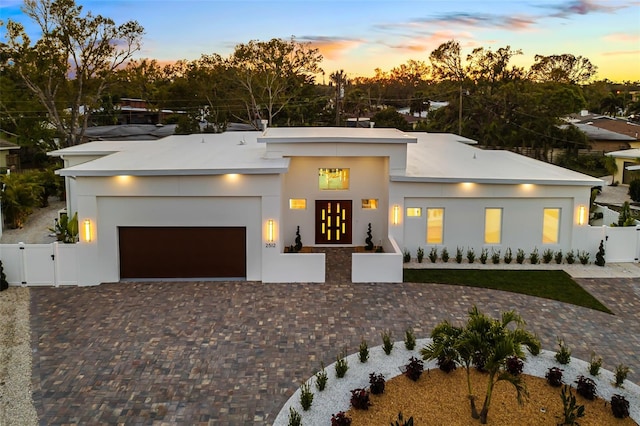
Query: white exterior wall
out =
(464, 216)
(227, 200)
(368, 179)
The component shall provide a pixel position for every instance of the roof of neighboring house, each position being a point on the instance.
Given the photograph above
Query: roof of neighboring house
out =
(6, 145)
(597, 133)
(431, 157)
(625, 153)
(129, 132)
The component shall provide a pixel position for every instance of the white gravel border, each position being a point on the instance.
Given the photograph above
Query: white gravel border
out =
(336, 395)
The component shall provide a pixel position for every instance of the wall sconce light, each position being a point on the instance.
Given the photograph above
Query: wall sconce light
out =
(87, 230)
(270, 231)
(582, 215)
(396, 214)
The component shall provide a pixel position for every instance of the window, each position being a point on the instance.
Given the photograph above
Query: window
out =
(551, 226)
(297, 203)
(333, 179)
(414, 212)
(435, 226)
(492, 226)
(370, 203)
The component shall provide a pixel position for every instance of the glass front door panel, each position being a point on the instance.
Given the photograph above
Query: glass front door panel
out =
(333, 222)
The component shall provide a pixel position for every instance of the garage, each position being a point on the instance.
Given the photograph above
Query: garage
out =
(182, 252)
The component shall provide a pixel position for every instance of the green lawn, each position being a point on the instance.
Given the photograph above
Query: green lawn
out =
(555, 285)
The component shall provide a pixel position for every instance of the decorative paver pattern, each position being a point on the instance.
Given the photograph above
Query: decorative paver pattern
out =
(232, 353)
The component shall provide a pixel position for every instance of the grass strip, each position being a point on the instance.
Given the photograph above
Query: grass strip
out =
(554, 285)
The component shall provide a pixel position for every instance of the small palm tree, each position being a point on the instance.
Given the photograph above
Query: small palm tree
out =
(496, 341)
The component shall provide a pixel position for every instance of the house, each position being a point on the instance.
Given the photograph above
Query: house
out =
(627, 162)
(7, 158)
(227, 205)
(607, 133)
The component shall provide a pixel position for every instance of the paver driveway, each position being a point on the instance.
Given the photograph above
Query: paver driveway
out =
(233, 352)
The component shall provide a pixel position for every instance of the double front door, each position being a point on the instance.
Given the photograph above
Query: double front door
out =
(333, 221)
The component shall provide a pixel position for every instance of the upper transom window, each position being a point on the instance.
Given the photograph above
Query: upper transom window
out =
(333, 179)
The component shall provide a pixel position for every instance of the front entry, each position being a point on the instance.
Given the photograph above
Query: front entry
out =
(333, 221)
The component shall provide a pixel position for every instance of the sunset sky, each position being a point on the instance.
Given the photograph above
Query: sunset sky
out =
(359, 36)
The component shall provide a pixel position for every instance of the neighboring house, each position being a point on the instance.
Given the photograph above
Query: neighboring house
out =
(7, 157)
(227, 205)
(628, 162)
(607, 133)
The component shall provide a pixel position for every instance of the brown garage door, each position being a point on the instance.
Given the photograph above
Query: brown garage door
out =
(182, 252)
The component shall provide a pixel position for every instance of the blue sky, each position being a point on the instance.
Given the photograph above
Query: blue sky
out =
(360, 36)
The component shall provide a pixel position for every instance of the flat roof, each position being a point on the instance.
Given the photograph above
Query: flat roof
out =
(438, 158)
(179, 155)
(335, 135)
(625, 153)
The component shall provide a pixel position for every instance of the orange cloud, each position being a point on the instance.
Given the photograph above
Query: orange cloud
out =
(621, 52)
(623, 38)
(332, 48)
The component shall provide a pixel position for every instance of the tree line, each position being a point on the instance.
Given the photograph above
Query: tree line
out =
(75, 74)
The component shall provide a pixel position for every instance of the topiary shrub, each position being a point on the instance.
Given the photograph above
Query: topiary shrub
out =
(600, 255)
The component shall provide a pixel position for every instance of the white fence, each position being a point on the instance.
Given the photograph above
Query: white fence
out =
(56, 264)
(40, 264)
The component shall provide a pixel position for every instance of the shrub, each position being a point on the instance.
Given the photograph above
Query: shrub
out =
(571, 410)
(433, 255)
(514, 365)
(600, 255)
(306, 396)
(360, 399)
(634, 190)
(445, 363)
(458, 255)
(376, 383)
(495, 256)
(294, 417)
(594, 364)
(479, 361)
(586, 387)
(406, 257)
(554, 377)
(471, 255)
(445, 255)
(4, 284)
(547, 255)
(321, 378)
(341, 365)
(563, 356)
(583, 256)
(409, 339)
(570, 257)
(387, 344)
(340, 419)
(420, 254)
(484, 255)
(534, 257)
(621, 374)
(363, 351)
(619, 406)
(558, 257)
(520, 256)
(402, 422)
(508, 256)
(414, 369)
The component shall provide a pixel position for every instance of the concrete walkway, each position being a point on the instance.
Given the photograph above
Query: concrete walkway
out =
(232, 353)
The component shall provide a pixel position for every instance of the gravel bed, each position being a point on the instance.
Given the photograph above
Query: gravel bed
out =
(336, 395)
(16, 404)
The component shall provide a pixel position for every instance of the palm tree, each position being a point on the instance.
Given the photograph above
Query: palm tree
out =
(487, 341)
(495, 341)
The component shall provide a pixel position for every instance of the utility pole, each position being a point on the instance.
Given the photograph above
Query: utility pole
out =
(460, 113)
